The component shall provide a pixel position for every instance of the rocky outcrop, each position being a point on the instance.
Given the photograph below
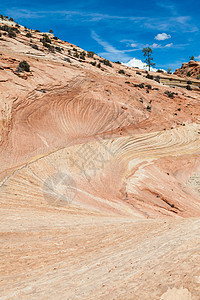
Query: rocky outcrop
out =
(190, 69)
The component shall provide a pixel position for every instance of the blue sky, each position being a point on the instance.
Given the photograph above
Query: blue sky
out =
(118, 30)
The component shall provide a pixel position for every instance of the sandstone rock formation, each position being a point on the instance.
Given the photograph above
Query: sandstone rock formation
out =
(192, 68)
(100, 177)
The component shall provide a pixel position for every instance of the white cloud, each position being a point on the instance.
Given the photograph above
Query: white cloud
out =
(197, 57)
(168, 45)
(154, 46)
(111, 52)
(162, 36)
(134, 62)
(134, 45)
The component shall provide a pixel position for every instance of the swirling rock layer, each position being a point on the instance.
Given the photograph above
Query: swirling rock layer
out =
(99, 182)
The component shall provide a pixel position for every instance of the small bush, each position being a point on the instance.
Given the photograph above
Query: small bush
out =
(93, 63)
(23, 66)
(82, 55)
(188, 87)
(157, 79)
(169, 71)
(34, 46)
(106, 62)
(76, 55)
(121, 72)
(15, 29)
(90, 54)
(55, 38)
(28, 35)
(50, 31)
(99, 65)
(148, 86)
(189, 82)
(138, 73)
(46, 39)
(11, 34)
(149, 76)
(58, 48)
(169, 94)
(37, 30)
(4, 27)
(188, 73)
(118, 62)
(141, 85)
(160, 71)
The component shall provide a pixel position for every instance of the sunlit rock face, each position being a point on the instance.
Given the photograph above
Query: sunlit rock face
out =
(99, 178)
(192, 68)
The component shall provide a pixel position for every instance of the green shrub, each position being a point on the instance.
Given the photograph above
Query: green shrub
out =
(76, 55)
(157, 79)
(169, 71)
(58, 48)
(149, 76)
(34, 46)
(11, 34)
(169, 94)
(23, 66)
(188, 73)
(121, 71)
(50, 31)
(28, 35)
(46, 39)
(141, 85)
(188, 87)
(90, 54)
(106, 62)
(148, 86)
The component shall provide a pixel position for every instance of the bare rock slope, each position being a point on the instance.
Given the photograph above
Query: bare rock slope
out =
(99, 182)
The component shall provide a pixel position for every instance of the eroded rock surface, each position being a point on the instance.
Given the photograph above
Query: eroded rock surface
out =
(99, 182)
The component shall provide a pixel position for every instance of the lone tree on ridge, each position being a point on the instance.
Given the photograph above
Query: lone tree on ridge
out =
(147, 53)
